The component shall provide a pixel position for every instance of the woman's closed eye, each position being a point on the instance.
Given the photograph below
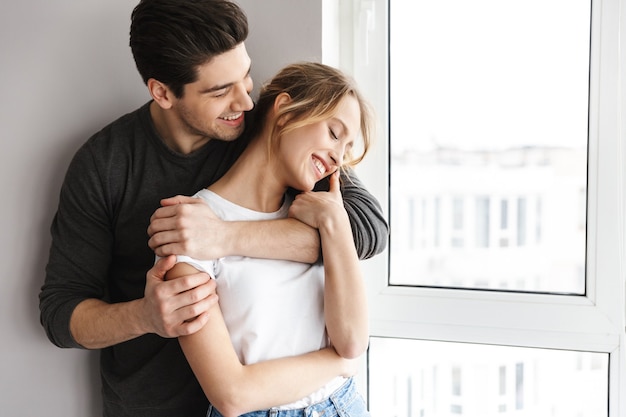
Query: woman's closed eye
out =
(332, 134)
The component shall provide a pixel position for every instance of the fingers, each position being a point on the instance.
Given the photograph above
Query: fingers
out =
(188, 214)
(334, 182)
(197, 314)
(195, 305)
(164, 213)
(161, 267)
(179, 199)
(173, 206)
(180, 306)
(162, 243)
(166, 219)
(186, 285)
(158, 220)
(192, 326)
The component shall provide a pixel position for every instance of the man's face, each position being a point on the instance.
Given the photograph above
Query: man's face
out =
(213, 107)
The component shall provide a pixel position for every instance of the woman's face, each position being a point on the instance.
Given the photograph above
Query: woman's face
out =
(315, 151)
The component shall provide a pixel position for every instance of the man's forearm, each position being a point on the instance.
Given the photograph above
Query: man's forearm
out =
(369, 227)
(287, 239)
(96, 324)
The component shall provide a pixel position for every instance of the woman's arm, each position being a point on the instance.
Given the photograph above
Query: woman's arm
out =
(345, 298)
(369, 227)
(236, 389)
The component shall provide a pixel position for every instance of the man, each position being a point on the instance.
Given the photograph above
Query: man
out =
(97, 294)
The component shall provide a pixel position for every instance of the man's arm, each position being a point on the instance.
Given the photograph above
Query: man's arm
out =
(71, 301)
(186, 225)
(369, 227)
(169, 309)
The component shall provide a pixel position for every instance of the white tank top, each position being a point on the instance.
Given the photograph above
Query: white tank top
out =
(272, 308)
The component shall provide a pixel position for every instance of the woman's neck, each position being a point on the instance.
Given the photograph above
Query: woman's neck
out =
(252, 181)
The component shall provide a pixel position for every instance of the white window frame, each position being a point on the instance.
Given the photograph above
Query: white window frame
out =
(594, 322)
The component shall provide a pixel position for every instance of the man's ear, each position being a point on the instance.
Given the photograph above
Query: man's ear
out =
(281, 100)
(160, 93)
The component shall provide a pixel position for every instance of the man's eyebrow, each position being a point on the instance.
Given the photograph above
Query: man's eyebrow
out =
(224, 86)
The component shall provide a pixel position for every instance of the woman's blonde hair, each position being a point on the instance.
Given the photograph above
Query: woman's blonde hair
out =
(315, 90)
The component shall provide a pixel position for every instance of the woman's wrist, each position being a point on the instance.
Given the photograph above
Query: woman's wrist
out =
(335, 221)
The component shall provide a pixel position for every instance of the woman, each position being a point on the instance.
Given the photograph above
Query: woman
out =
(278, 320)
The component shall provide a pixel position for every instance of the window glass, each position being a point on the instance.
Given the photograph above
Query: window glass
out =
(488, 143)
(410, 378)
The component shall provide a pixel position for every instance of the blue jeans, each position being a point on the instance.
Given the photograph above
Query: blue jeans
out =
(344, 402)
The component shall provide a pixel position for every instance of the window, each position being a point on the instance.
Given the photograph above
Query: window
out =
(482, 106)
(505, 270)
(431, 378)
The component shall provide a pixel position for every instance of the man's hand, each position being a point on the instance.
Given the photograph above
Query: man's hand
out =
(178, 307)
(168, 308)
(188, 226)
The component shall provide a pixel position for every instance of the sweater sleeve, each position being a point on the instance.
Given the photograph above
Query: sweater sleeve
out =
(369, 227)
(80, 251)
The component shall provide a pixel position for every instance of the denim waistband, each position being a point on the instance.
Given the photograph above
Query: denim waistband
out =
(341, 399)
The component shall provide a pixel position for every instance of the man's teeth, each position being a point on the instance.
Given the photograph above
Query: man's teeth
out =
(320, 167)
(233, 117)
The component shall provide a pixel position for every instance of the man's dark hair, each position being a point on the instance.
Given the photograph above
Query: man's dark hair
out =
(169, 39)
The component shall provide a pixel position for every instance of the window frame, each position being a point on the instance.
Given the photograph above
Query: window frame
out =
(593, 322)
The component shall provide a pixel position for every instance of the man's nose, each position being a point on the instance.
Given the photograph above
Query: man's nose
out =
(243, 101)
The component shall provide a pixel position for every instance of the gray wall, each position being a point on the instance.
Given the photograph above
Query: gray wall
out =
(66, 71)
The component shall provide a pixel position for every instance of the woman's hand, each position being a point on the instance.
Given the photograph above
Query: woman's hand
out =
(317, 208)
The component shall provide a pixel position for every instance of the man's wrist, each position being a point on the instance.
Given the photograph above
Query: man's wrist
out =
(138, 313)
(234, 237)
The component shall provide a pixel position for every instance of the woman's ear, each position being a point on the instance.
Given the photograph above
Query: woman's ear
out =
(281, 100)
(161, 94)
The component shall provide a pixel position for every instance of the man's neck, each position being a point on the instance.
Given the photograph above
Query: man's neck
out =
(173, 133)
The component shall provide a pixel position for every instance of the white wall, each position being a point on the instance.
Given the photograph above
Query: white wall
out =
(66, 71)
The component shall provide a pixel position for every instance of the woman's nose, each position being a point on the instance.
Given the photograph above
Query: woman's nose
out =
(337, 156)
